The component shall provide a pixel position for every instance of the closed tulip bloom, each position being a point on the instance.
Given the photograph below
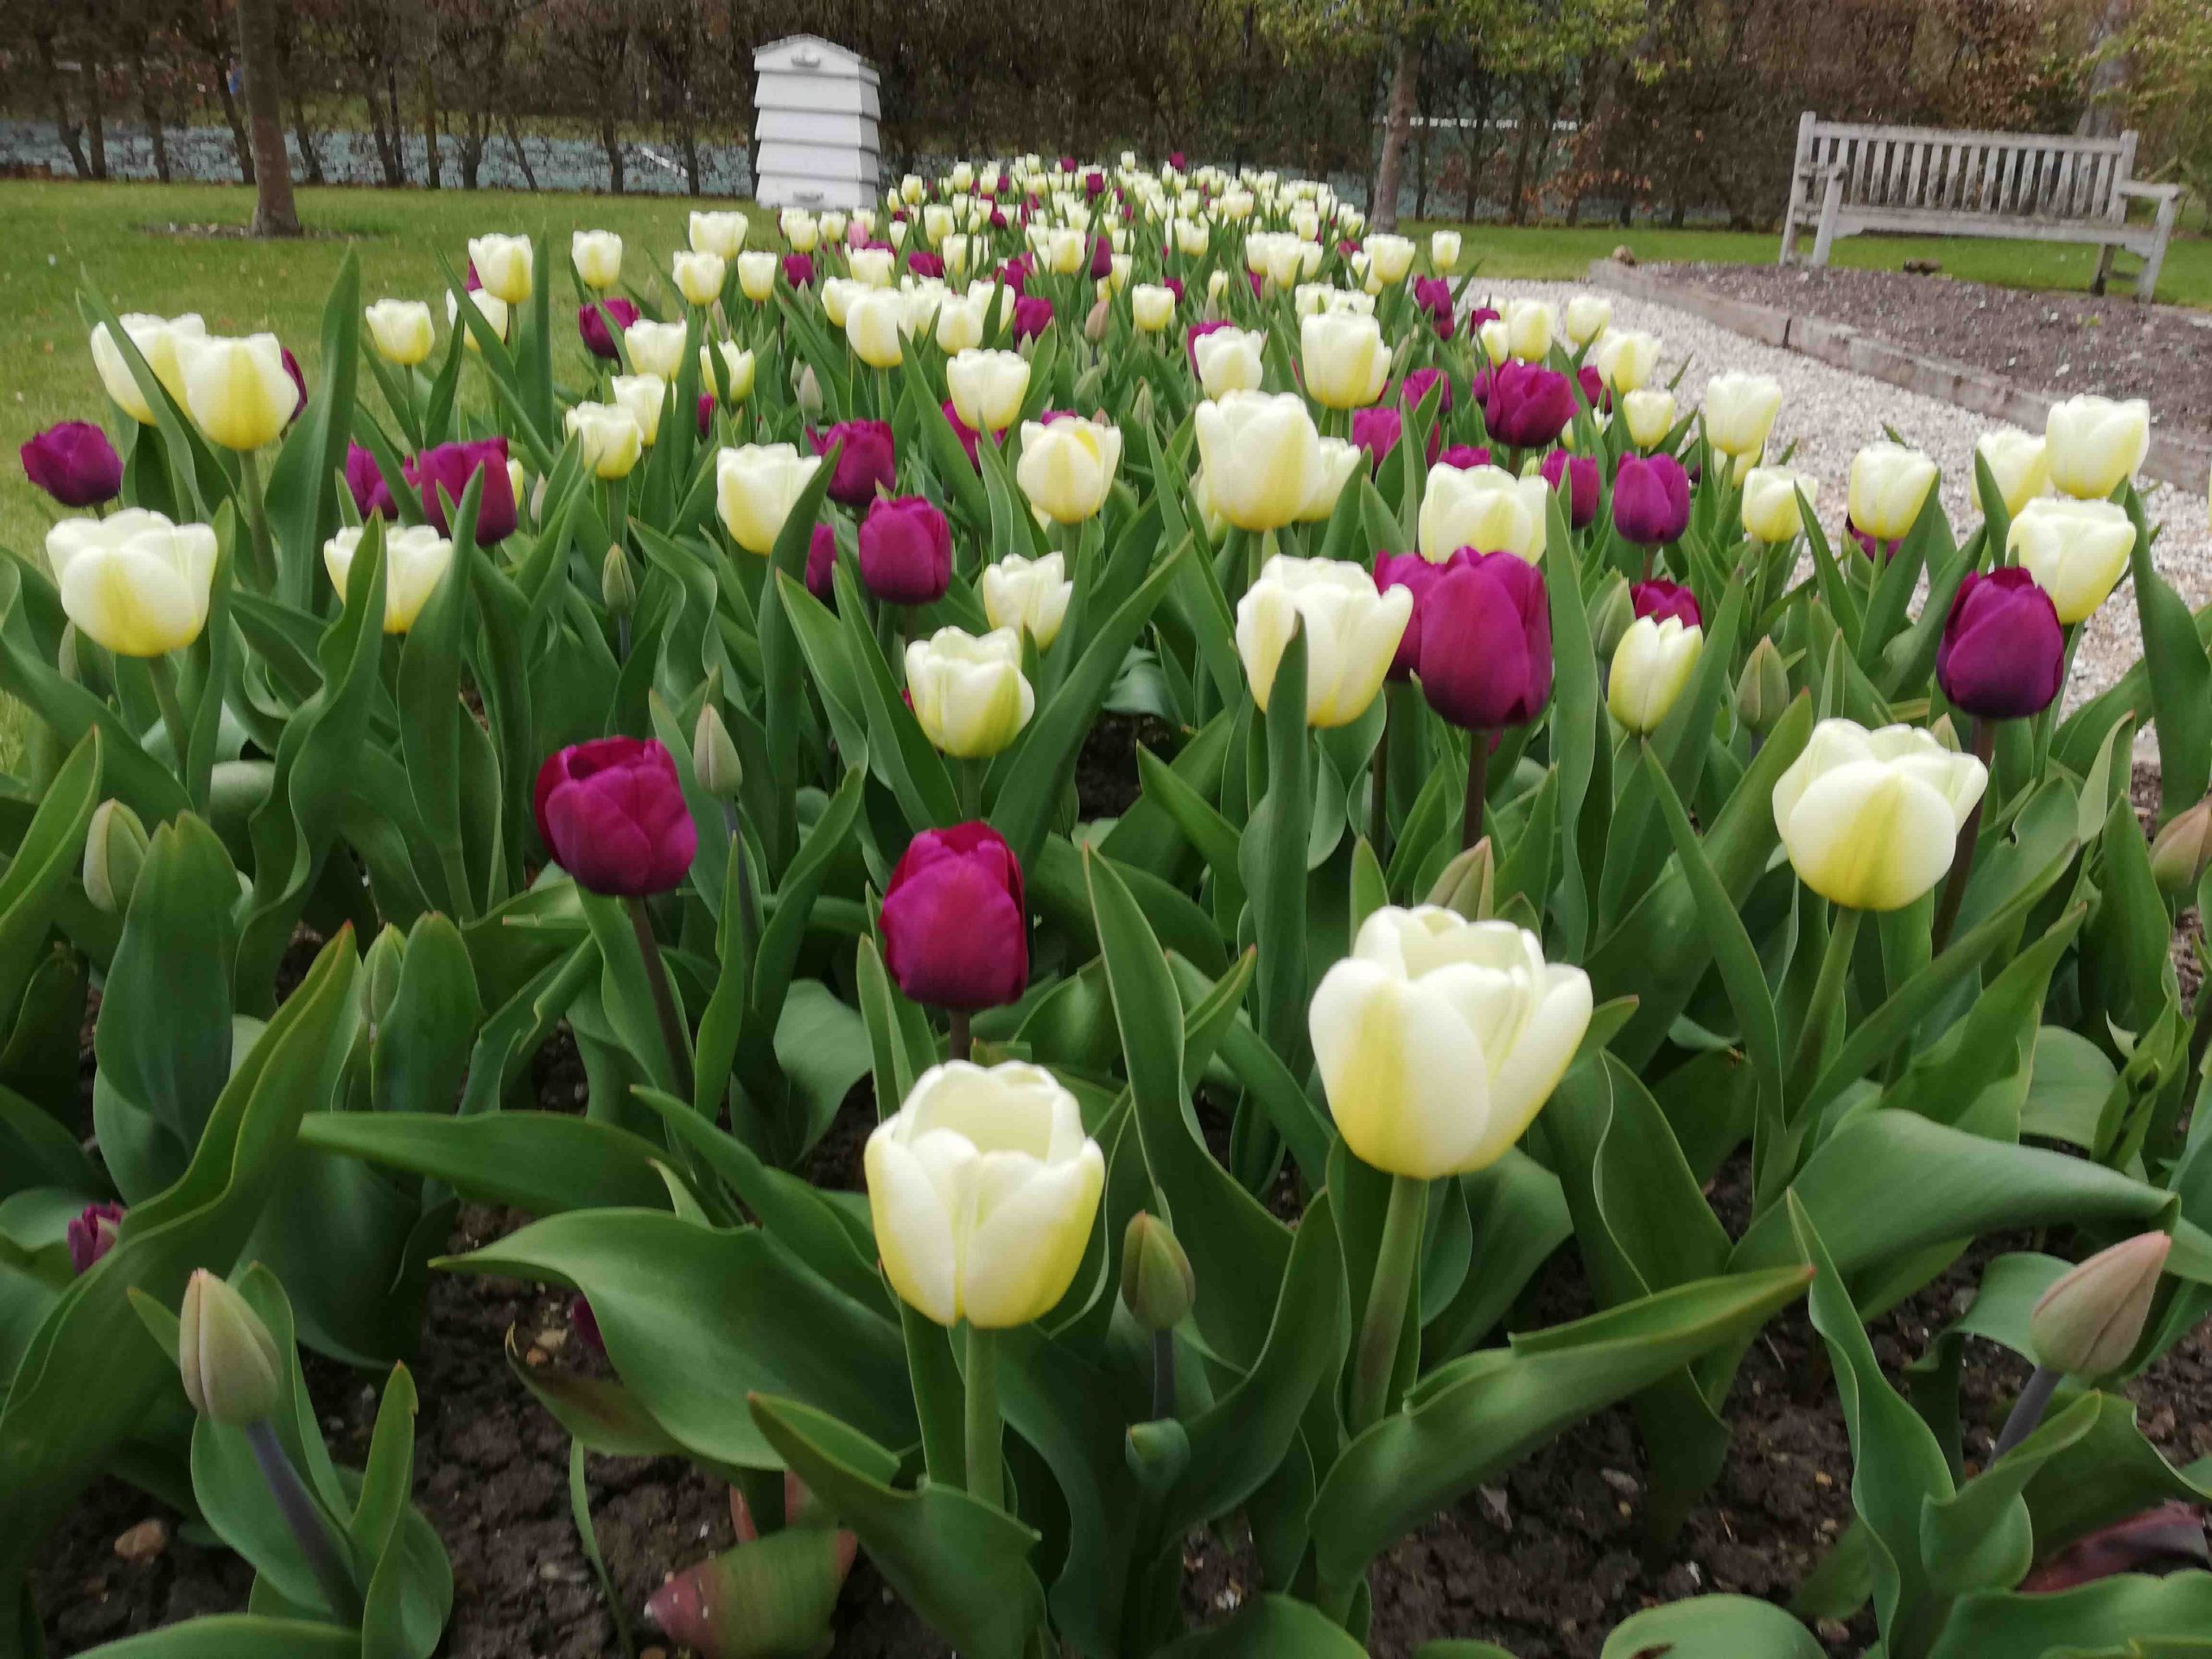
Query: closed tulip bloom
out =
(133, 581)
(1228, 360)
(1066, 467)
(503, 265)
(802, 230)
(365, 483)
(1496, 339)
(959, 325)
(722, 233)
(1578, 477)
(1588, 315)
(1649, 414)
(1870, 819)
(231, 1371)
(2088, 1322)
(1444, 249)
(236, 390)
(732, 377)
(612, 813)
(756, 276)
(1739, 412)
(488, 306)
(1150, 307)
(1486, 642)
(2097, 444)
(871, 327)
(1415, 576)
(96, 1228)
(1889, 486)
(608, 438)
(699, 277)
(1028, 596)
(1351, 631)
(400, 330)
(905, 550)
(956, 927)
(601, 323)
(1770, 513)
(1392, 257)
(1626, 360)
(2077, 551)
(1032, 315)
(1651, 665)
(1528, 406)
(444, 472)
(156, 338)
(1377, 431)
(756, 488)
(1483, 507)
(597, 255)
(2002, 654)
(983, 1191)
(870, 268)
(644, 396)
(1335, 461)
(415, 559)
(1651, 499)
(1064, 251)
(1346, 361)
(2018, 462)
(1438, 1039)
(656, 348)
(1261, 456)
(987, 387)
(969, 695)
(1529, 329)
(837, 293)
(867, 461)
(1192, 237)
(75, 463)
(1660, 600)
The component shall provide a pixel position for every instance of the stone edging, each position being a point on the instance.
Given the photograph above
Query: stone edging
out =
(2181, 460)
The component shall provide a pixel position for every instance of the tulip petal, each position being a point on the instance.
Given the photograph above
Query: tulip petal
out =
(1871, 837)
(1406, 1080)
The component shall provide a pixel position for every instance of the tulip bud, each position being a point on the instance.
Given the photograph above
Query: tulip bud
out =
(809, 393)
(2180, 854)
(617, 587)
(1762, 689)
(1468, 884)
(713, 756)
(1094, 326)
(1611, 616)
(1157, 1282)
(1946, 734)
(115, 851)
(228, 1360)
(2088, 1324)
(1650, 669)
(380, 971)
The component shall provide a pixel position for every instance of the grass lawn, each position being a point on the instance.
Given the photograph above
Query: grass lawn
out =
(136, 241)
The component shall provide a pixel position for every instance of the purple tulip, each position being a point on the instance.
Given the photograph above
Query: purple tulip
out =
(75, 464)
(1032, 315)
(365, 483)
(905, 550)
(1067, 163)
(2003, 653)
(1485, 657)
(612, 813)
(1661, 600)
(1175, 160)
(1479, 315)
(585, 1323)
(821, 563)
(956, 928)
(1197, 332)
(1416, 576)
(1377, 431)
(1528, 406)
(967, 434)
(92, 1235)
(1873, 547)
(1465, 456)
(601, 322)
(1414, 387)
(926, 264)
(867, 460)
(1102, 258)
(1651, 499)
(1594, 390)
(1173, 285)
(1015, 272)
(1433, 296)
(300, 380)
(1093, 185)
(1583, 479)
(445, 471)
(706, 413)
(799, 270)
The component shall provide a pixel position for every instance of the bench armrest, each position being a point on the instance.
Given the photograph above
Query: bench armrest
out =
(2151, 191)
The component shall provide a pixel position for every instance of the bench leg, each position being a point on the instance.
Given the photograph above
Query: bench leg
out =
(2104, 269)
(2146, 281)
(1831, 209)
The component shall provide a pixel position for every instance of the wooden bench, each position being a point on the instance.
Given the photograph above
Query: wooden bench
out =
(2038, 187)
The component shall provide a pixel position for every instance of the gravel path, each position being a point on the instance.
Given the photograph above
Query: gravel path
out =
(1829, 413)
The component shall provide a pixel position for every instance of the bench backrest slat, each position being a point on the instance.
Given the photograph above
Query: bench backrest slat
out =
(1938, 171)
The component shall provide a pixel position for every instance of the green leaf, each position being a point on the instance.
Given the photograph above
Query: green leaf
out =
(543, 1162)
(2083, 1620)
(1269, 1626)
(237, 1636)
(303, 479)
(2180, 673)
(1712, 1627)
(42, 867)
(587, 1538)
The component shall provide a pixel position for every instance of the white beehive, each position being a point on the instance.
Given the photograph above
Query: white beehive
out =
(818, 110)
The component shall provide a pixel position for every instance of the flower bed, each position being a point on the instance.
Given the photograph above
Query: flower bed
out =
(1544, 831)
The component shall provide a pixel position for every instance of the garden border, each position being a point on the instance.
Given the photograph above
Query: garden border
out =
(2183, 462)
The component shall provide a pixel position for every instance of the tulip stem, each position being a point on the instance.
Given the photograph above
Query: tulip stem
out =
(1378, 806)
(748, 909)
(162, 672)
(2028, 1409)
(1955, 887)
(671, 1023)
(1163, 1374)
(961, 1043)
(304, 1520)
(985, 1471)
(1388, 1294)
(1827, 993)
(1471, 829)
(257, 513)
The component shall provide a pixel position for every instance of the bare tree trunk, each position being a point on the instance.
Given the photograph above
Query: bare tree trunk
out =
(2100, 116)
(522, 156)
(611, 142)
(430, 128)
(303, 138)
(1398, 122)
(274, 213)
(150, 106)
(1421, 159)
(94, 73)
(70, 134)
(239, 140)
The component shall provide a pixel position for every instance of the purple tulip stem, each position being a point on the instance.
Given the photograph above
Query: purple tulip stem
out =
(1388, 1295)
(671, 1023)
(303, 1519)
(2027, 1410)
(1954, 888)
(1471, 829)
(986, 1435)
(961, 1043)
(257, 513)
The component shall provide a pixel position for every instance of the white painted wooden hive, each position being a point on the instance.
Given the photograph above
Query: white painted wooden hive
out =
(817, 109)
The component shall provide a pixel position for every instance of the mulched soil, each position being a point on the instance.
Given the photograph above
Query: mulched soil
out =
(1544, 1562)
(2054, 342)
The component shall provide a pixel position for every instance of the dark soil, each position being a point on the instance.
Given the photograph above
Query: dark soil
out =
(1544, 1562)
(2054, 342)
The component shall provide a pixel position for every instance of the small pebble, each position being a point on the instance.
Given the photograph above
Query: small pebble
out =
(143, 1541)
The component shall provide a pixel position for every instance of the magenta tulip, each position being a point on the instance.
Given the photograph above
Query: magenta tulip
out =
(92, 1235)
(926, 264)
(1032, 315)
(956, 931)
(75, 464)
(1479, 315)
(1465, 456)
(967, 434)
(299, 382)
(866, 460)
(1414, 387)
(600, 323)
(1377, 431)
(1485, 657)
(1433, 296)
(799, 270)
(1416, 576)
(2002, 654)
(1651, 499)
(1660, 600)
(365, 483)
(613, 813)
(1594, 390)
(821, 563)
(445, 471)
(706, 413)
(1527, 406)
(1582, 479)
(905, 550)
(1872, 547)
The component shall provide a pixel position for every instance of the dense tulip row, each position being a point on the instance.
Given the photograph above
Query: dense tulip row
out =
(1520, 753)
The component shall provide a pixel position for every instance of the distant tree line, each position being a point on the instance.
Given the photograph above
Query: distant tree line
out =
(1526, 109)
